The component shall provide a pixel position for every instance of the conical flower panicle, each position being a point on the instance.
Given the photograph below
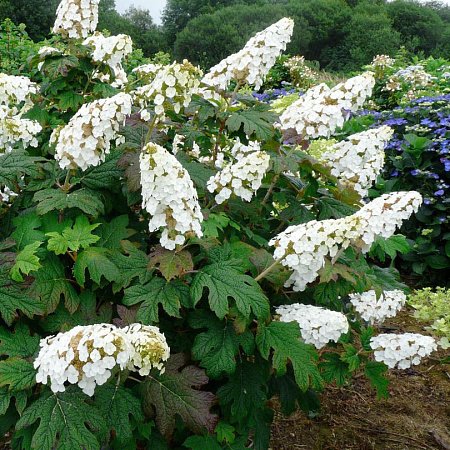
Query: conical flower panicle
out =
(169, 195)
(253, 62)
(86, 139)
(76, 18)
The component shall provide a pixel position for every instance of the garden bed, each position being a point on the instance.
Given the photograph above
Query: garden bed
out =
(416, 415)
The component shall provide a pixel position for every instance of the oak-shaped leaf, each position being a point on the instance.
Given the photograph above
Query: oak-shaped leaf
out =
(283, 338)
(246, 390)
(18, 343)
(17, 373)
(116, 404)
(170, 263)
(51, 199)
(131, 265)
(66, 421)
(334, 369)
(170, 295)
(26, 261)
(178, 391)
(16, 164)
(112, 233)
(95, 259)
(26, 231)
(262, 259)
(50, 282)
(217, 347)
(225, 279)
(374, 372)
(73, 237)
(15, 297)
(106, 175)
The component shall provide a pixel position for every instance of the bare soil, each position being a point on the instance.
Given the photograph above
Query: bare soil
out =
(416, 415)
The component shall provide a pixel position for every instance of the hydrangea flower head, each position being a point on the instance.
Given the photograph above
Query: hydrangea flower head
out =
(375, 310)
(76, 18)
(253, 62)
(359, 158)
(402, 350)
(168, 88)
(169, 196)
(321, 110)
(85, 140)
(242, 176)
(318, 326)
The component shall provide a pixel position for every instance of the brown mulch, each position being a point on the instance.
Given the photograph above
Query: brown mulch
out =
(416, 415)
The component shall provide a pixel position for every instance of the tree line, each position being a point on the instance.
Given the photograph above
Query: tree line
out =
(341, 35)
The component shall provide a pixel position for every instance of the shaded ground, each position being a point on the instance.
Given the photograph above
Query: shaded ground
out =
(416, 416)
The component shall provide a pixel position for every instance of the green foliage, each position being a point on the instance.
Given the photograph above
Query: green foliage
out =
(177, 391)
(26, 261)
(65, 421)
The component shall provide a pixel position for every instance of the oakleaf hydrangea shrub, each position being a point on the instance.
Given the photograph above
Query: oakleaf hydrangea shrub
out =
(170, 254)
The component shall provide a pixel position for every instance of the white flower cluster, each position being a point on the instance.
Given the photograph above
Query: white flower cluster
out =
(359, 158)
(253, 62)
(318, 326)
(6, 194)
(384, 214)
(85, 355)
(85, 140)
(169, 87)
(321, 110)
(380, 63)
(76, 18)
(402, 350)
(243, 175)
(13, 91)
(111, 50)
(304, 247)
(149, 350)
(375, 310)
(14, 130)
(168, 194)
(302, 76)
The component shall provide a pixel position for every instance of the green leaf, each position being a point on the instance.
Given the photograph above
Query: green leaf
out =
(217, 347)
(177, 391)
(70, 100)
(203, 442)
(158, 291)
(374, 371)
(214, 223)
(50, 283)
(13, 297)
(438, 261)
(225, 432)
(95, 260)
(225, 280)
(110, 234)
(129, 267)
(256, 122)
(65, 421)
(51, 199)
(73, 238)
(390, 247)
(246, 390)
(199, 173)
(330, 208)
(26, 261)
(26, 232)
(5, 398)
(116, 404)
(18, 373)
(350, 356)
(170, 263)
(16, 164)
(283, 338)
(59, 65)
(365, 336)
(19, 343)
(334, 369)
(105, 176)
